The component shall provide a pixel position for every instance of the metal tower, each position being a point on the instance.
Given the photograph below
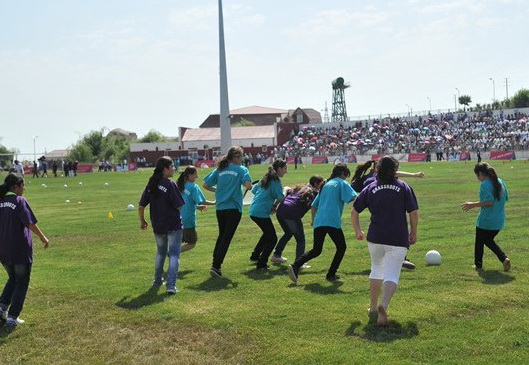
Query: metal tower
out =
(339, 111)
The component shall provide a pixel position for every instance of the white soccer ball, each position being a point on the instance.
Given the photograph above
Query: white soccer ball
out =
(80, 183)
(130, 207)
(433, 257)
(106, 184)
(66, 201)
(43, 185)
(65, 185)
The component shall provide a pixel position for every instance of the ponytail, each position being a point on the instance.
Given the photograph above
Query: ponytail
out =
(11, 181)
(225, 160)
(339, 170)
(162, 163)
(488, 171)
(271, 175)
(362, 169)
(182, 179)
(387, 169)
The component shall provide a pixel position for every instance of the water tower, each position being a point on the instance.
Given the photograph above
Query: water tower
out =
(339, 111)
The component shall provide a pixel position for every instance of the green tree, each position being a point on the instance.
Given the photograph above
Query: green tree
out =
(115, 148)
(520, 99)
(244, 123)
(6, 156)
(465, 100)
(81, 152)
(94, 141)
(153, 136)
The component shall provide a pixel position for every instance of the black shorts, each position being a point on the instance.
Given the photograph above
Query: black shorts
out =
(190, 235)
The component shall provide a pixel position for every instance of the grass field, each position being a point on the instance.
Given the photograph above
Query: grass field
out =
(90, 299)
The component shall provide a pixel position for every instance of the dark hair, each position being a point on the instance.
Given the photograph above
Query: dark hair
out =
(271, 175)
(182, 179)
(387, 169)
(307, 194)
(11, 181)
(225, 160)
(489, 172)
(315, 180)
(161, 163)
(339, 170)
(362, 169)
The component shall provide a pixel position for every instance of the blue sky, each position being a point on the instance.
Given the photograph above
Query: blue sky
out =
(68, 67)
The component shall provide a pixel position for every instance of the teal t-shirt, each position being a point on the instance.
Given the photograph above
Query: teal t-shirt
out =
(228, 182)
(330, 201)
(192, 196)
(492, 217)
(264, 198)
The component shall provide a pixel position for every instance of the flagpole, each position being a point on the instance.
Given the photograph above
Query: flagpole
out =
(225, 125)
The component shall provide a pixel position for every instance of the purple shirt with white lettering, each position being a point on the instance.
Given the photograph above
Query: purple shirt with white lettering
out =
(388, 204)
(16, 243)
(292, 207)
(164, 212)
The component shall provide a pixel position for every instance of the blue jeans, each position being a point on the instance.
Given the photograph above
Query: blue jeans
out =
(16, 288)
(168, 244)
(291, 227)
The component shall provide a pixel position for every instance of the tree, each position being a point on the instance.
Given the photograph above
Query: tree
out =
(94, 141)
(153, 136)
(81, 152)
(115, 148)
(6, 156)
(520, 99)
(465, 100)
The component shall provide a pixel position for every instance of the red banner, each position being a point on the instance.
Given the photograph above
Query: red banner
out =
(205, 163)
(290, 159)
(464, 156)
(416, 157)
(352, 159)
(319, 159)
(502, 155)
(377, 156)
(84, 167)
(133, 166)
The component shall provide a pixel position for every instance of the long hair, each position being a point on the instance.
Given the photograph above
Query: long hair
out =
(362, 170)
(307, 194)
(161, 163)
(11, 181)
(489, 172)
(182, 179)
(340, 169)
(315, 180)
(387, 169)
(271, 175)
(225, 160)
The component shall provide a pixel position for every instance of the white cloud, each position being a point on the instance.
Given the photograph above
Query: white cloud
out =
(453, 6)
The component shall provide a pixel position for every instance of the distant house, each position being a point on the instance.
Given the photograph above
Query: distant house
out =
(122, 133)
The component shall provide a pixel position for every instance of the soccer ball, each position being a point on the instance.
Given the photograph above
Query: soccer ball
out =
(433, 257)
(130, 207)
(106, 184)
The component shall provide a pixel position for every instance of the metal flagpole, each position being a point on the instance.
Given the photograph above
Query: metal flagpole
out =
(225, 125)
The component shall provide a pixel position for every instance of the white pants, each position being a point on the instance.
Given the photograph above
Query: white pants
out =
(386, 261)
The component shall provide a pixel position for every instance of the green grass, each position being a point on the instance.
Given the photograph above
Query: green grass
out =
(90, 300)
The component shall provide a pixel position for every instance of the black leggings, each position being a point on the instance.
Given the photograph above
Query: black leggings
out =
(337, 237)
(228, 220)
(486, 237)
(266, 243)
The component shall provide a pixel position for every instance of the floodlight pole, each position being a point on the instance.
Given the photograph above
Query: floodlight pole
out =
(34, 149)
(225, 124)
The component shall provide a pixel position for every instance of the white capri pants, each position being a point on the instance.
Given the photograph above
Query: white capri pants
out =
(386, 261)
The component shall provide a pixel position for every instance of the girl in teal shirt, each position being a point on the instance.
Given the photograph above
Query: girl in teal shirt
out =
(493, 195)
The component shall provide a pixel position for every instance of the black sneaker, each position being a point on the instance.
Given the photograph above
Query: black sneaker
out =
(254, 257)
(293, 273)
(332, 277)
(215, 273)
(262, 268)
(408, 264)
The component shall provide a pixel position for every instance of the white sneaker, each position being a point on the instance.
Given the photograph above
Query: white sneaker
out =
(278, 259)
(11, 323)
(171, 291)
(304, 266)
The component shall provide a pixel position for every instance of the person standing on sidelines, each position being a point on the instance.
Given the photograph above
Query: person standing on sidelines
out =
(35, 170)
(268, 194)
(226, 181)
(194, 199)
(290, 212)
(327, 211)
(17, 221)
(493, 195)
(166, 201)
(388, 199)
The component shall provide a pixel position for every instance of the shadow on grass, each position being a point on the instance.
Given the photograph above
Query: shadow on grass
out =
(334, 288)
(393, 331)
(266, 274)
(362, 273)
(182, 274)
(215, 284)
(495, 277)
(4, 332)
(150, 297)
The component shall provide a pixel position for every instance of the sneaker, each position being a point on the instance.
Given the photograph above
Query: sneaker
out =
(304, 266)
(506, 264)
(171, 291)
(3, 314)
(278, 259)
(11, 322)
(215, 273)
(157, 284)
(254, 257)
(293, 273)
(408, 265)
(332, 277)
(262, 268)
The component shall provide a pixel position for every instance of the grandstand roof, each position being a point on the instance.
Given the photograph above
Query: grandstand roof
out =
(212, 134)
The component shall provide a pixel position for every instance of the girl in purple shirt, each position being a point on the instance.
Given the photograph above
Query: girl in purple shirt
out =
(17, 221)
(166, 201)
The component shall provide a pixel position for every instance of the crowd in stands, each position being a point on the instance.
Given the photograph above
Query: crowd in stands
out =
(476, 131)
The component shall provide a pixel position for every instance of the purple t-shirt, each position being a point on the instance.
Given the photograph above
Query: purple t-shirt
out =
(16, 243)
(292, 207)
(388, 204)
(164, 212)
